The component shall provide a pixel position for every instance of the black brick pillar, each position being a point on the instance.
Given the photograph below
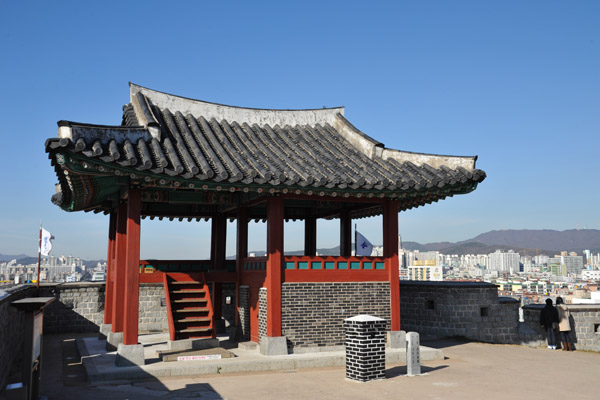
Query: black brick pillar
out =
(244, 313)
(365, 348)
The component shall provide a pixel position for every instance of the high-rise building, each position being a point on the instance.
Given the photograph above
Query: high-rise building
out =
(425, 272)
(504, 261)
(574, 264)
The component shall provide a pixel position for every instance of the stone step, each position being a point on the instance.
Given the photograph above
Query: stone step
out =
(195, 309)
(199, 319)
(248, 346)
(189, 301)
(194, 330)
(184, 291)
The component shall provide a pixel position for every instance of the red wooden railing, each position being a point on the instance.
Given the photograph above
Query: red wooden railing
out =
(152, 270)
(295, 269)
(333, 269)
(150, 266)
(254, 264)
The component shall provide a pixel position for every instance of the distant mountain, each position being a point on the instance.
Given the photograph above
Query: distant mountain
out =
(27, 260)
(437, 246)
(480, 248)
(572, 240)
(7, 257)
(525, 241)
(334, 251)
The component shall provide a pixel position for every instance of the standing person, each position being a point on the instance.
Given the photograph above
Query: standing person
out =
(563, 324)
(549, 320)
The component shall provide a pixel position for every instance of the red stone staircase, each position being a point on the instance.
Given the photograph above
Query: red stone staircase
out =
(189, 309)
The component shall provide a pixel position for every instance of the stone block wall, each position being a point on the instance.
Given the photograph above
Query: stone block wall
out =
(11, 331)
(313, 313)
(79, 307)
(585, 325)
(152, 312)
(467, 309)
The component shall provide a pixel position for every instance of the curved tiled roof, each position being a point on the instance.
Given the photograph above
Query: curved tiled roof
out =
(196, 143)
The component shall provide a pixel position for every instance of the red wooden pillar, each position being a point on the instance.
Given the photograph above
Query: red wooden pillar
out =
(390, 252)
(132, 273)
(241, 253)
(310, 236)
(108, 291)
(274, 264)
(119, 265)
(345, 234)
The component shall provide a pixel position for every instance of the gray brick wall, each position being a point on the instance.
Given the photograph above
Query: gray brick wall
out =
(472, 310)
(11, 331)
(313, 313)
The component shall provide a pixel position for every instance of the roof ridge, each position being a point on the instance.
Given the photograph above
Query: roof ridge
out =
(229, 112)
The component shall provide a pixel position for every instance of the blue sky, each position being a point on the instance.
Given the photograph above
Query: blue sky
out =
(516, 83)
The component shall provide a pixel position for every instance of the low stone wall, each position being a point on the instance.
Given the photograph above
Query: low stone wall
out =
(11, 331)
(470, 309)
(313, 313)
(79, 307)
(585, 325)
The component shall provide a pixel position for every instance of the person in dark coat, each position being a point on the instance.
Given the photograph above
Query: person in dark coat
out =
(549, 320)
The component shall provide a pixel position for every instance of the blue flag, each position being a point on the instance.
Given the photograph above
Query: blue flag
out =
(363, 246)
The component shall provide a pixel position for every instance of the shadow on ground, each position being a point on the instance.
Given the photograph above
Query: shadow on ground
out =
(64, 377)
(445, 342)
(401, 370)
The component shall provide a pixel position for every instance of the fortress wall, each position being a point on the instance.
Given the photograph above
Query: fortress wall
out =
(471, 310)
(79, 307)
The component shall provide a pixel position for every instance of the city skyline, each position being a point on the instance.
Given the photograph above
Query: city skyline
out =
(515, 84)
(529, 249)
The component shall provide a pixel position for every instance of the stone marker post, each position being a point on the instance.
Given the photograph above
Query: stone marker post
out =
(413, 354)
(365, 348)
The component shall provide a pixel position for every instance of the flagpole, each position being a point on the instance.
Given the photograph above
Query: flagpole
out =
(39, 259)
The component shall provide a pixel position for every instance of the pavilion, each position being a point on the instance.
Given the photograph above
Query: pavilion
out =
(178, 158)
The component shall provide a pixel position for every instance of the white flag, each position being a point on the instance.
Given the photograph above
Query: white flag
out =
(363, 246)
(46, 244)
